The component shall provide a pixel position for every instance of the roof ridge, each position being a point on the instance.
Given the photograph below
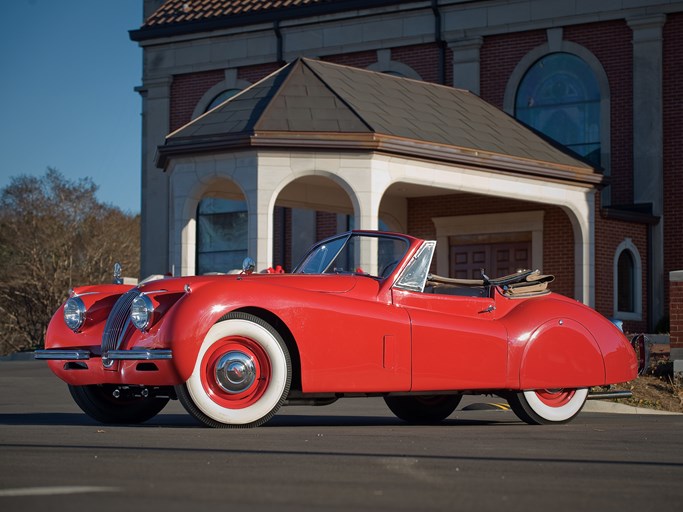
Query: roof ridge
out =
(236, 96)
(307, 62)
(422, 83)
(291, 65)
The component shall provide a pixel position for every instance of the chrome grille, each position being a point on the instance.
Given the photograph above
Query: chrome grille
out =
(118, 321)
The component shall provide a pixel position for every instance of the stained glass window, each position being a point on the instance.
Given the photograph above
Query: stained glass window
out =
(560, 97)
(221, 235)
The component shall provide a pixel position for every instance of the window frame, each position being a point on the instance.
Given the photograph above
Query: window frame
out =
(637, 313)
(198, 228)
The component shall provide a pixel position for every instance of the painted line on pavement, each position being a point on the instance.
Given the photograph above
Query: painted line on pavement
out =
(53, 491)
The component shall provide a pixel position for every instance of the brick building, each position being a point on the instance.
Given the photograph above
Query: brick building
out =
(597, 78)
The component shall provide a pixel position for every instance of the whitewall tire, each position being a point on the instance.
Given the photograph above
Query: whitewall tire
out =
(241, 376)
(548, 406)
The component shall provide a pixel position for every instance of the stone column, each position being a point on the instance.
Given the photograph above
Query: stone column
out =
(466, 63)
(648, 141)
(154, 212)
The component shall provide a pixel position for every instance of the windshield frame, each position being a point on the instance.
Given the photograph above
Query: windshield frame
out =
(343, 240)
(414, 274)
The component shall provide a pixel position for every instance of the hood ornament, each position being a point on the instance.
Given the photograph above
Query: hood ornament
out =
(117, 273)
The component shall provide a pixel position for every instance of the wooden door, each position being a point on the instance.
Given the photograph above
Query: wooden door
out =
(497, 259)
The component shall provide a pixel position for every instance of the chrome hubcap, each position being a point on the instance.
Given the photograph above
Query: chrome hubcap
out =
(235, 372)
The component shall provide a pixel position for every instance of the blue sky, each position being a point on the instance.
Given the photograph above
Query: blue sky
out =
(67, 74)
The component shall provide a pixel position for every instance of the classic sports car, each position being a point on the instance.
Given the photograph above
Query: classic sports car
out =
(360, 316)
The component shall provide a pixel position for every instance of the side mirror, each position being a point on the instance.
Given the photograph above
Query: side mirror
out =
(248, 265)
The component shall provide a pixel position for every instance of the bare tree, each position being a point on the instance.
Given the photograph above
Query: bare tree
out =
(54, 235)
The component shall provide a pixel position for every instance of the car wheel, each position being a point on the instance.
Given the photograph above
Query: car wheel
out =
(547, 406)
(241, 376)
(99, 402)
(423, 409)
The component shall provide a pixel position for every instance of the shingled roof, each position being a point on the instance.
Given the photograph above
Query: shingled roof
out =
(310, 103)
(179, 11)
(186, 16)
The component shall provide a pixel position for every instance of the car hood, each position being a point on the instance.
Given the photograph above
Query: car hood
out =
(331, 283)
(328, 283)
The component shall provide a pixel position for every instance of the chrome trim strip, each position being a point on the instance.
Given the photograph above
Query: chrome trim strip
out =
(62, 354)
(138, 355)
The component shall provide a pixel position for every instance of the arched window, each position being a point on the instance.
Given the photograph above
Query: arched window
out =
(627, 282)
(221, 235)
(221, 97)
(560, 97)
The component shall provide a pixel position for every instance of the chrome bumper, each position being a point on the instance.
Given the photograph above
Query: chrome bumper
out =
(111, 355)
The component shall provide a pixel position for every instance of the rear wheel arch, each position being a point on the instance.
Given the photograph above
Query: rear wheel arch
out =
(561, 350)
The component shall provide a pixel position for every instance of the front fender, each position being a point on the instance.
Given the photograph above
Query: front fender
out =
(187, 324)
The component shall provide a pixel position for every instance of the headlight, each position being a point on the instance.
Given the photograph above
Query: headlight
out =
(141, 312)
(74, 313)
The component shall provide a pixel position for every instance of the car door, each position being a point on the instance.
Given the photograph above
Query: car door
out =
(456, 341)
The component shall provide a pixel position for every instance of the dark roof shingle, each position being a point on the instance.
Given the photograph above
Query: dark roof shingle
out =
(333, 102)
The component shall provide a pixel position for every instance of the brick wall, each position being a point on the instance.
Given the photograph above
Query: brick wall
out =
(424, 59)
(186, 91)
(356, 59)
(253, 74)
(610, 42)
(609, 234)
(676, 309)
(326, 225)
(673, 143)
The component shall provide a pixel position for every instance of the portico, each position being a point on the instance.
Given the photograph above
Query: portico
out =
(324, 137)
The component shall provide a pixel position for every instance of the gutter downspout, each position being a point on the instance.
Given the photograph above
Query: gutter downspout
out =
(278, 37)
(440, 43)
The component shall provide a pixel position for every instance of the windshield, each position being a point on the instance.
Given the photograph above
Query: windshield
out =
(359, 253)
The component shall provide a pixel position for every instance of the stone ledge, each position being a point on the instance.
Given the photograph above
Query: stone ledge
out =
(676, 276)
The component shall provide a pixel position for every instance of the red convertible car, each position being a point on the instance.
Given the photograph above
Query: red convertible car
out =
(360, 316)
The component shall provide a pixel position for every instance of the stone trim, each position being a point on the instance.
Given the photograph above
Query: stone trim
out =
(628, 245)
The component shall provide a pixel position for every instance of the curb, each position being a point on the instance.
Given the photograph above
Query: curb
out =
(615, 408)
(18, 356)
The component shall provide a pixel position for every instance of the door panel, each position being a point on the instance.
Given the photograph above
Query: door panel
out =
(351, 345)
(456, 342)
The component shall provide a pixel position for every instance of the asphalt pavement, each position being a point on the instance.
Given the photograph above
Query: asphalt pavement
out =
(352, 455)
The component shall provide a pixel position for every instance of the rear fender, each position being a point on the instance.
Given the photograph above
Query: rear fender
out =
(575, 346)
(561, 353)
